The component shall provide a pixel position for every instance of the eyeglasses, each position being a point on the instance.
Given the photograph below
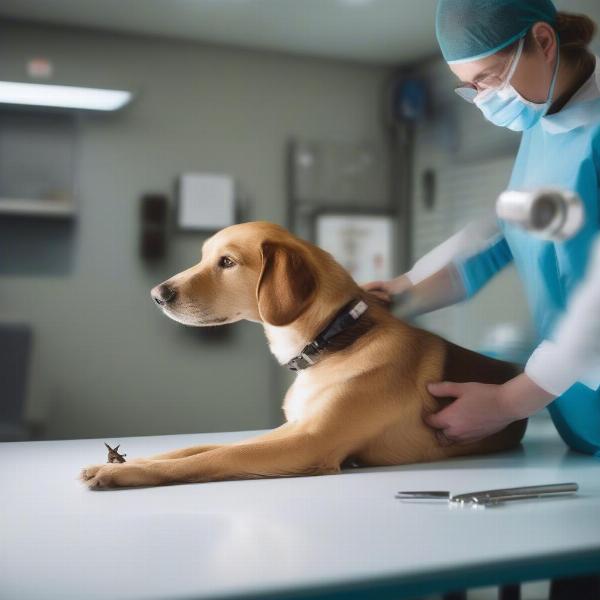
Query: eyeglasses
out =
(469, 91)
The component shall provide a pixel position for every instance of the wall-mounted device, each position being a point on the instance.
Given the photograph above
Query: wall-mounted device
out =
(154, 221)
(408, 100)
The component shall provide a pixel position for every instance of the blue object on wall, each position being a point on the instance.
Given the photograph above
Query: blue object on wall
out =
(410, 99)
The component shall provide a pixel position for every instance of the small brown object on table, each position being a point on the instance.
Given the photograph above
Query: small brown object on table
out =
(114, 456)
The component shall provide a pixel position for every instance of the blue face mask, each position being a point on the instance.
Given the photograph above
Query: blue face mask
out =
(504, 106)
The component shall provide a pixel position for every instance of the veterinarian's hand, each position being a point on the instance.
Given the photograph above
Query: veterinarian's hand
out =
(386, 289)
(482, 409)
(478, 411)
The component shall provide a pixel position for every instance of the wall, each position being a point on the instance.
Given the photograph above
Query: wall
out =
(106, 363)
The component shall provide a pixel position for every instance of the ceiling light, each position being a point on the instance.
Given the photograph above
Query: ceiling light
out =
(62, 96)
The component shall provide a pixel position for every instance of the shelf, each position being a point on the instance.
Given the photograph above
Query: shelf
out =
(36, 208)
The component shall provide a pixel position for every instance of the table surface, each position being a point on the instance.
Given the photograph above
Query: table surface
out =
(300, 536)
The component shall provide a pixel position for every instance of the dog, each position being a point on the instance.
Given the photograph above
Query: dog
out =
(357, 401)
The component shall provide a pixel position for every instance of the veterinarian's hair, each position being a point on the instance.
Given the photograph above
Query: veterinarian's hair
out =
(575, 33)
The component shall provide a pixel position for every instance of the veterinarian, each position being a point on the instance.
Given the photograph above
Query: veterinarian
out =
(526, 67)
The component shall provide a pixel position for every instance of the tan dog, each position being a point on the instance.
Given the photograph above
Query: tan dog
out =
(362, 403)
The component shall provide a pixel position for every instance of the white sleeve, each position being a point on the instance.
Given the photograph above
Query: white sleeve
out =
(574, 353)
(471, 239)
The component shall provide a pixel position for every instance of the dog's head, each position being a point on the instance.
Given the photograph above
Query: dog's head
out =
(256, 271)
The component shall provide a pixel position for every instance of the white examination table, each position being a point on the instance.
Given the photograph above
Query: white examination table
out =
(299, 537)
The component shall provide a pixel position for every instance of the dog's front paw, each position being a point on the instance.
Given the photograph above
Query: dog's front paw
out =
(115, 475)
(89, 472)
(98, 476)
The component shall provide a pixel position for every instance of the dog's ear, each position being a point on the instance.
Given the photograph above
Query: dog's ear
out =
(286, 284)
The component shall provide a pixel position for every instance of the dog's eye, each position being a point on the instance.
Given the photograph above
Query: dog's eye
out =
(225, 262)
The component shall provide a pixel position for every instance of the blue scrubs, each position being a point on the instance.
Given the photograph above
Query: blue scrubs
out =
(561, 150)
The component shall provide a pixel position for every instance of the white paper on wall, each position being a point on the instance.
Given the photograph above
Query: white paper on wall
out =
(206, 201)
(363, 244)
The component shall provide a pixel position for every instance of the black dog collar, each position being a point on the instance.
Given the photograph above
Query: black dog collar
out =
(345, 318)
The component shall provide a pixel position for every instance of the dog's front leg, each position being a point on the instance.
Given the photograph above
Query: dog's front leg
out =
(296, 454)
(184, 452)
(191, 450)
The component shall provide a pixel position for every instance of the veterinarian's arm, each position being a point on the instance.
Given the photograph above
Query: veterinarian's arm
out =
(453, 271)
(476, 237)
(442, 288)
(574, 353)
(461, 265)
(459, 280)
(439, 290)
(477, 269)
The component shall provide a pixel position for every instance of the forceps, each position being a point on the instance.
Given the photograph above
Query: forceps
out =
(492, 497)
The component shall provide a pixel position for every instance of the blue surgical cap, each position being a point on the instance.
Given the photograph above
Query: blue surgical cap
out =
(472, 29)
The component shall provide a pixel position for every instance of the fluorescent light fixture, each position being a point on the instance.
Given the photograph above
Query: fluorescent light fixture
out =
(62, 96)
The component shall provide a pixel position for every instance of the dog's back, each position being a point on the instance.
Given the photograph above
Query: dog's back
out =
(432, 359)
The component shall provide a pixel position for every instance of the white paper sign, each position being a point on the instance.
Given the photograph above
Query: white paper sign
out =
(206, 201)
(363, 245)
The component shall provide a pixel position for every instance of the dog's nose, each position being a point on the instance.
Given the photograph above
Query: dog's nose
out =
(163, 294)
